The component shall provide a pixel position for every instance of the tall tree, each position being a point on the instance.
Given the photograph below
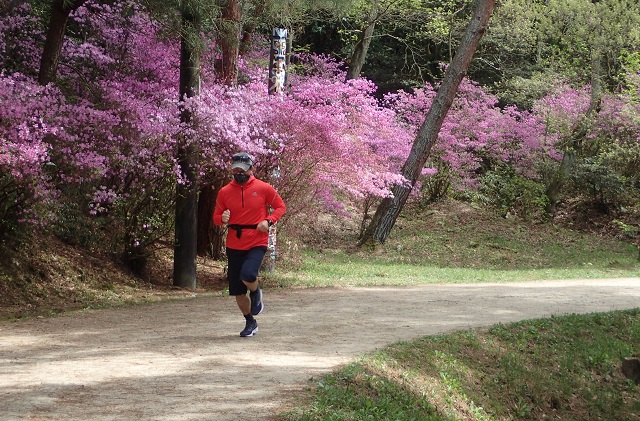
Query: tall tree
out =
(364, 40)
(210, 237)
(388, 211)
(229, 40)
(185, 252)
(60, 10)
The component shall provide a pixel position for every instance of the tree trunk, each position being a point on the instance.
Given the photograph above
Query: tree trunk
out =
(60, 10)
(229, 40)
(184, 260)
(388, 211)
(210, 237)
(362, 46)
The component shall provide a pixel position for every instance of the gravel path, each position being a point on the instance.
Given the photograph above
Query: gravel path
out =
(184, 360)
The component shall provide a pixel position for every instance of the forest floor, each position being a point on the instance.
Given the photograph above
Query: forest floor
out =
(184, 360)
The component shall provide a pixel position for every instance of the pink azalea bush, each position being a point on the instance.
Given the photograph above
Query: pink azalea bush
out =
(608, 154)
(324, 140)
(326, 143)
(27, 113)
(20, 38)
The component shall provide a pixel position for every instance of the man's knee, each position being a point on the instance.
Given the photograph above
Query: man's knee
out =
(248, 275)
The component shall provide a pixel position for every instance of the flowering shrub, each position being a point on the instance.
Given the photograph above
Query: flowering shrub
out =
(27, 113)
(20, 36)
(608, 166)
(325, 144)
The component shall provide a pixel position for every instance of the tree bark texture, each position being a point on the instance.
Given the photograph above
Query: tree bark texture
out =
(229, 39)
(362, 45)
(389, 209)
(210, 236)
(184, 260)
(60, 10)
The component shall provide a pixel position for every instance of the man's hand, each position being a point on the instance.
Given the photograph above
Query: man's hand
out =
(263, 226)
(225, 216)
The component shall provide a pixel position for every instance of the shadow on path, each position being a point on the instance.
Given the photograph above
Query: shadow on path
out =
(184, 360)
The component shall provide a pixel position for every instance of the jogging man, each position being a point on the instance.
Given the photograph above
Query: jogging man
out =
(243, 204)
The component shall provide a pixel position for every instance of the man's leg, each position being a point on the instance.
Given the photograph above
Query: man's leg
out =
(237, 288)
(244, 303)
(249, 276)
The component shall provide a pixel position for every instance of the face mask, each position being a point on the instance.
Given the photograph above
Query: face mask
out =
(241, 178)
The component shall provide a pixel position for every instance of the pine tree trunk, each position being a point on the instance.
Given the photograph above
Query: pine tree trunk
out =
(229, 40)
(210, 236)
(388, 211)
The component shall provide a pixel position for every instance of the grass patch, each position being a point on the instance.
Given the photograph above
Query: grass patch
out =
(456, 243)
(555, 368)
(319, 270)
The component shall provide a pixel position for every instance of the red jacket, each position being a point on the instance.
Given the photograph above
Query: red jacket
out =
(248, 205)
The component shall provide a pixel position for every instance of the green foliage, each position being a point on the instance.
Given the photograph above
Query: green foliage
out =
(129, 228)
(12, 197)
(22, 210)
(577, 31)
(509, 49)
(75, 227)
(628, 76)
(599, 181)
(523, 91)
(624, 159)
(627, 229)
(514, 194)
(437, 186)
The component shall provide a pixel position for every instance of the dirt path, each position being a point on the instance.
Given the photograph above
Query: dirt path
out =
(185, 361)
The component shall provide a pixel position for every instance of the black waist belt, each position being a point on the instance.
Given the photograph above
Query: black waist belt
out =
(239, 228)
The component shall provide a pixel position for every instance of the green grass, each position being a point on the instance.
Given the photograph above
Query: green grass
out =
(561, 368)
(460, 244)
(347, 270)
